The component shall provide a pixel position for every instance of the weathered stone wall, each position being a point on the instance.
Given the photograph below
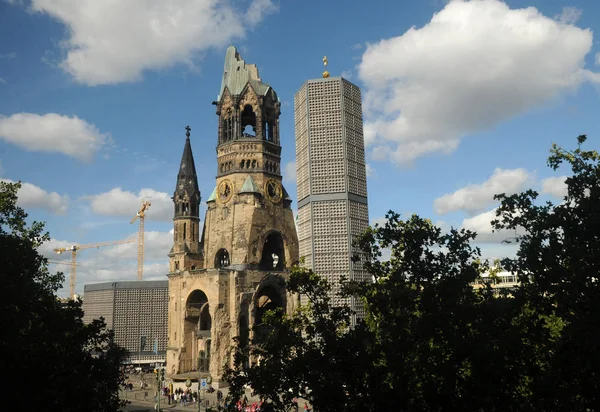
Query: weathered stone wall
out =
(227, 291)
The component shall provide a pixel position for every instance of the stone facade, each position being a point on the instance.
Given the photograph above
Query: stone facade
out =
(222, 281)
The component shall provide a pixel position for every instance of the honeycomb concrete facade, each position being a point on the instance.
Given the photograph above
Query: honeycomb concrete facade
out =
(331, 179)
(224, 277)
(132, 310)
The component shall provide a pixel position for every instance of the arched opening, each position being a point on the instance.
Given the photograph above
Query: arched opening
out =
(244, 332)
(222, 259)
(268, 136)
(270, 297)
(248, 122)
(204, 357)
(273, 253)
(197, 326)
(205, 321)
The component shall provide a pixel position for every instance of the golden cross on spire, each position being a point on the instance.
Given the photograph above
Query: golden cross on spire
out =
(325, 62)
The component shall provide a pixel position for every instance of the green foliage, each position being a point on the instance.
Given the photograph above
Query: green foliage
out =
(311, 353)
(559, 266)
(430, 341)
(55, 360)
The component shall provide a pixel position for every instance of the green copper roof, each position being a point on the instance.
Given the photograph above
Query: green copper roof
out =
(249, 186)
(237, 74)
(213, 195)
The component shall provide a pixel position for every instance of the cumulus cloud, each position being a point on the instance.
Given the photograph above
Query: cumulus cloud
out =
(569, 15)
(555, 186)
(34, 197)
(481, 224)
(113, 263)
(474, 65)
(381, 221)
(370, 170)
(113, 42)
(259, 9)
(289, 172)
(53, 132)
(478, 197)
(119, 202)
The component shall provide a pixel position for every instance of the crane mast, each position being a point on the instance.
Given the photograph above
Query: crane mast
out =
(141, 214)
(74, 248)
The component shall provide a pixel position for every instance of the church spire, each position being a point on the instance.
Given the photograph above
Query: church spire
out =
(187, 190)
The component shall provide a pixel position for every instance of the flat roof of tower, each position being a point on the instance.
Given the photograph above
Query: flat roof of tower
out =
(134, 284)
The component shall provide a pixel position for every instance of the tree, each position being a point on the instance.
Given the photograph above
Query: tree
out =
(312, 353)
(432, 342)
(55, 360)
(558, 264)
(429, 340)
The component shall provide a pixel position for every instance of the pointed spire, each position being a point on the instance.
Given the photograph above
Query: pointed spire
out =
(187, 180)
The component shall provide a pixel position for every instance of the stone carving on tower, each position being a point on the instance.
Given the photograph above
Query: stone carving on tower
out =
(221, 282)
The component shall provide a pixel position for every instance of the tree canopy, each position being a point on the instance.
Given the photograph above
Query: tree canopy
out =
(430, 341)
(53, 359)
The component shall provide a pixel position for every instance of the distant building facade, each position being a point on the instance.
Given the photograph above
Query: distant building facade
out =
(502, 281)
(331, 178)
(137, 313)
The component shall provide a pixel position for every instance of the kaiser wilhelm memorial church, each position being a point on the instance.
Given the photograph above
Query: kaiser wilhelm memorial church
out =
(226, 273)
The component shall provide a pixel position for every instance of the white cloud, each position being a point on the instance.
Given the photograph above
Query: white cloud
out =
(555, 186)
(347, 74)
(569, 15)
(478, 197)
(381, 221)
(259, 9)
(597, 59)
(116, 41)
(119, 202)
(33, 197)
(370, 170)
(2, 80)
(289, 172)
(114, 263)
(474, 65)
(53, 132)
(481, 224)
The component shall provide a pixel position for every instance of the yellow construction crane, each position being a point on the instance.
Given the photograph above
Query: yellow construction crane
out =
(60, 262)
(74, 248)
(142, 215)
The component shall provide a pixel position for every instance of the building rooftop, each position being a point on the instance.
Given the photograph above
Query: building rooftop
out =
(134, 284)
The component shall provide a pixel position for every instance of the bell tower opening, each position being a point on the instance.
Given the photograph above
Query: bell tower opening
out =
(273, 256)
(248, 122)
(222, 259)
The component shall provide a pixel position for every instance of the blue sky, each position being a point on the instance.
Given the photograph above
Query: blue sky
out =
(461, 100)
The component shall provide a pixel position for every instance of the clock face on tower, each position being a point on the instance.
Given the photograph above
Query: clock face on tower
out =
(273, 190)
(225, 190)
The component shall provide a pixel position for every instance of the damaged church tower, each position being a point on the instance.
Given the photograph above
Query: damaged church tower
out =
(221, 283)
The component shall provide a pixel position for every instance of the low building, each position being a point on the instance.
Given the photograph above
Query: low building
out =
(137, 313)
(503, 280)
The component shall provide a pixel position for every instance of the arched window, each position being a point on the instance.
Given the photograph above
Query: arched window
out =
(248, 122)
(273, 253)
(222, 259)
